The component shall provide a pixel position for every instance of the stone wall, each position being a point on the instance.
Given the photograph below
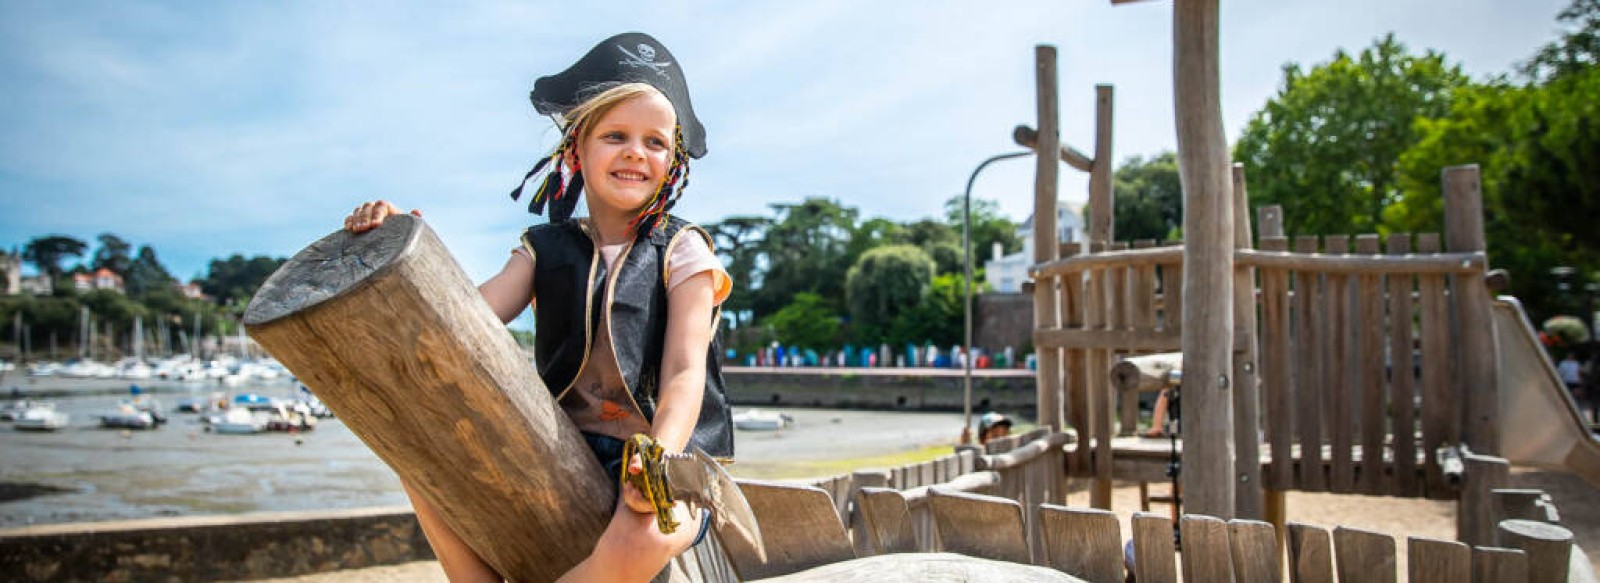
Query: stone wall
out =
(885, 389)
(1000, 320)
(252, 546)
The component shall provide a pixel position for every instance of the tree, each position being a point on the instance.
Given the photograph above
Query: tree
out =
(807, 322)
(46, 252)
(1577, 50)
(236, 279)
(146, 274)
(1326, 145)
(989, 226)
(113, 254)
(1147, 198)
(804, 249)
(885, 282)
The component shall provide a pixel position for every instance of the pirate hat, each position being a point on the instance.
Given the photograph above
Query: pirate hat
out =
(630, 57)
(624, 58)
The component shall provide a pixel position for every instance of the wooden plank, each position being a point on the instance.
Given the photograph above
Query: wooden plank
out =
(1310, 554)
(1082, 542)
(1146, 340)
(1549, 548)
(1127, 284)
(1436, 561)
(1478, 511)
(979, 526)
(1245, 364)
(1255, 551)
(1499, 565)
(1102, 213)
(1402, 376)
(1207, 555)
(1364, 555)
(1100, 405)
(1172, 298)
(799, 528)
(1276, 378)
(1440, 410)
(1337, 392)
(856, 521)
(1369, 362)
(1309, 341)
(1463, 202)
(886, 522)
(1154, 555)
(1077, 378)
(1352, 265)
(1085, 262)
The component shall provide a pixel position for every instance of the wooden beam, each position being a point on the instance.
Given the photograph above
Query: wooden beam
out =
(1101, 212)
(1208, 464)
(1028, 137)
(387, 330)
(1046, 304)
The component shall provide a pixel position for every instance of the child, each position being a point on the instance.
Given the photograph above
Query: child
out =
(625, 301)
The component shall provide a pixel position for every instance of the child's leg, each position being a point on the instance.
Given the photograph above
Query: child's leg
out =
(460, 562)
(633, 550)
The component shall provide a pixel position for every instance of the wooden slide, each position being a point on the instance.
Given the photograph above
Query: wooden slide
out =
(1542, 425)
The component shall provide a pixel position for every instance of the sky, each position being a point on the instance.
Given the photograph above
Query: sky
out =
(205, 129)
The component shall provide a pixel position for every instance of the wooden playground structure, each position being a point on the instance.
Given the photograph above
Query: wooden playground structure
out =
(1367, 370)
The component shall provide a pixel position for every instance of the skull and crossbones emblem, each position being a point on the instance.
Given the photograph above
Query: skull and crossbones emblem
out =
(644, 56)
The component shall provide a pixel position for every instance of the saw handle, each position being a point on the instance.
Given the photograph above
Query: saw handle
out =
(652, 482)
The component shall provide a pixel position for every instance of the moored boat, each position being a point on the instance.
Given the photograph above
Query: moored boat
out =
(42, 417)
(761, 420)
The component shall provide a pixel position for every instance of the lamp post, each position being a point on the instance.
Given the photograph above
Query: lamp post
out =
(966, 303)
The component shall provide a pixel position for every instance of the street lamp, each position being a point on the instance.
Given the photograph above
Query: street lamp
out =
(966, 304)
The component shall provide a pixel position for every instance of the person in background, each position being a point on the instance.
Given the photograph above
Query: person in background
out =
(993, 425)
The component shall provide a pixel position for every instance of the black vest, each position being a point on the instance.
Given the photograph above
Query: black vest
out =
(572, 284)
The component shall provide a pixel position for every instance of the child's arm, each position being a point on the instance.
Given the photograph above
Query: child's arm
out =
(683, 361)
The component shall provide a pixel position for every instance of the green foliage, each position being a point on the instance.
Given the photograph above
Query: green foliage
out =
(1325, 147)
(1148, 198)
(1577, 50)
(810, 241)
(988, 226)
(47, 252)
(113, 254)
(937, 319)
(235, 279)
(1567, 330)
(808, 322)
(884, 283)
(146, 275)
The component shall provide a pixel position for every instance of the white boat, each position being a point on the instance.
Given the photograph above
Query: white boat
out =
(13, 411)
(761, 420)
(42, 417)
(238, 422)
(126, 416)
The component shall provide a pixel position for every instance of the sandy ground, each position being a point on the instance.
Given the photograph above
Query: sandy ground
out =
(1578, 503)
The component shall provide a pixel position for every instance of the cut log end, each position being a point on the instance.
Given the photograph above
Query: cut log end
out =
(330, 267)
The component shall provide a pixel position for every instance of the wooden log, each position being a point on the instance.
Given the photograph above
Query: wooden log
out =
(1045, 291)
(1437, 263)
(1248, 502)
(1371, 389)
(1463, 202)
(1208, 462)
(1028, 137)
(799, 528)
(1549, 548)
(980, 526)
(1101, 405)
(1402, 377)
(1310, 554)
(1206, 552)
(1154, 555)
(886, 523)
(1498, 565)
(1309, 381)
(1081, 542)
(388, 331)
(1436, 561)
(1147, 373)
(1102, 223)
(1364, 555)
(1255, 551)
(1477, 511)
(1441, 420)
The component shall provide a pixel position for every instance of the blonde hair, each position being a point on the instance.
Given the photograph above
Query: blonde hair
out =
(598, 105)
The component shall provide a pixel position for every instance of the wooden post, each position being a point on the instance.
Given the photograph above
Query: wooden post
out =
(1045, 246)
(1208, 462)
(1477, 511)
(1246, 364)
(388, 331)
(1102, 213)
(1549, 548)
(1101, 232)
(1463, 214)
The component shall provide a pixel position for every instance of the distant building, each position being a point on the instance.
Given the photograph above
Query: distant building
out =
(1006, 274)
(38, 285)
(189, 290)
(11, 270)
(101, 279)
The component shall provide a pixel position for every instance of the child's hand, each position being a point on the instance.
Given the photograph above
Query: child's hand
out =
(371, 214)
(631, 496)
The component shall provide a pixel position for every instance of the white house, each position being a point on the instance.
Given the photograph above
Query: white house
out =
(1006, 274)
